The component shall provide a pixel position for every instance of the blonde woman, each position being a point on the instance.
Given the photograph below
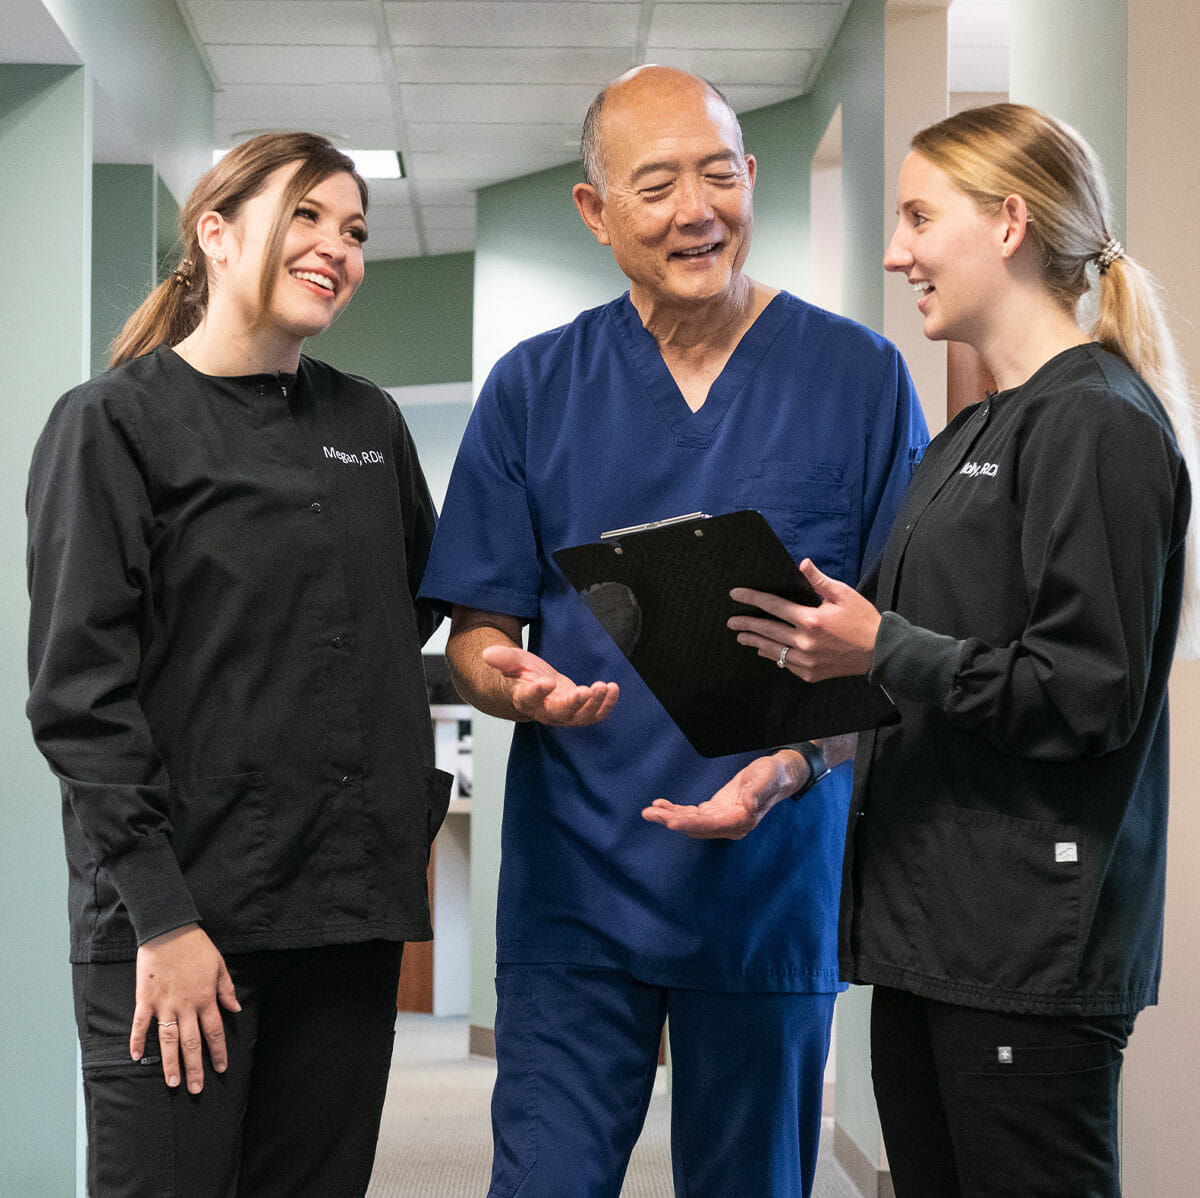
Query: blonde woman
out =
(1003, 878)
(225, 544)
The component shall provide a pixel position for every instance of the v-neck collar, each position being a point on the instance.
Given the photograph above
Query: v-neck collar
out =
(696, 428)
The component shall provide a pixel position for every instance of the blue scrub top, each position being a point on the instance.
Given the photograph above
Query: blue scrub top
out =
(814, 423)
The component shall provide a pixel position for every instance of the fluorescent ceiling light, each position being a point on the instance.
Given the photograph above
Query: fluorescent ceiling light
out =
(378, 164)
(371, 164)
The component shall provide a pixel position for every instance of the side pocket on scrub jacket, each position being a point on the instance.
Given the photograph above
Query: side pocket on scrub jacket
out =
(999, 902)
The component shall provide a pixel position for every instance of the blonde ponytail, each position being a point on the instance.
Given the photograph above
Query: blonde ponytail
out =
(1131, 319)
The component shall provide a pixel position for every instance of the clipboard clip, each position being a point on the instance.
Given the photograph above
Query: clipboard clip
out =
(623, 532)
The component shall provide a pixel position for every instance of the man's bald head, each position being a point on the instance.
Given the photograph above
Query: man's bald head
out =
(647, 85)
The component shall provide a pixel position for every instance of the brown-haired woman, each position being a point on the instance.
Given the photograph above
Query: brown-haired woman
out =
(1003, 879)
(225, 544)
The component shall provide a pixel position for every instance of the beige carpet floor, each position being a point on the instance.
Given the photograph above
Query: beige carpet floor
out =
(435, 1141)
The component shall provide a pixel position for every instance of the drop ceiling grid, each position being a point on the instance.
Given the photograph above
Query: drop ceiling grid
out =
(487, 90)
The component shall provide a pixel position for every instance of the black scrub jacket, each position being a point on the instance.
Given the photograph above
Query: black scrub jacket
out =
(1007, 839)
(224, 657)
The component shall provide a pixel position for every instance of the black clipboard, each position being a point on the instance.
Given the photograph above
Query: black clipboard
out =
(661, 592)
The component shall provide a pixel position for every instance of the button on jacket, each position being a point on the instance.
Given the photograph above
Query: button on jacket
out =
(225, 657)
(1007, 841)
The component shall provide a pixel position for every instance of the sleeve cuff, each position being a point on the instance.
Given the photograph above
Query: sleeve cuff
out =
(914, 662)
(152, 887)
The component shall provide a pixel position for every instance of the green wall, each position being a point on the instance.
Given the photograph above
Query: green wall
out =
(139, 51)
(536, 264)
(44, 342)
(142, 56)
(123, 244)
(166, 230)
(436, 429)
(1069, 58)
(778, 136)
(409, 324)
(853, 77)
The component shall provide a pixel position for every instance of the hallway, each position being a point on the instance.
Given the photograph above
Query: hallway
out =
(435, 1141)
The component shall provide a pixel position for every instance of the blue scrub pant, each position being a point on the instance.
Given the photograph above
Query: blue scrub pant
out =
(576, 1053)
(983, 1104)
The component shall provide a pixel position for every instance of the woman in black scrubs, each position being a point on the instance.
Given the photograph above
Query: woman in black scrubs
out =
(225, 544)
(1004, 873)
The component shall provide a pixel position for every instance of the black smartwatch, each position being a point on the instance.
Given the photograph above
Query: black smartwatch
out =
(818, 767)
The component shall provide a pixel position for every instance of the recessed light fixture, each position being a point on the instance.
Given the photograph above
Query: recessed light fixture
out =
(378, 164)
(371, 164)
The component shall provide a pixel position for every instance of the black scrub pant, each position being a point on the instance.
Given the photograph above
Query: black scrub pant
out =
(982, 1104)
(295, 1115)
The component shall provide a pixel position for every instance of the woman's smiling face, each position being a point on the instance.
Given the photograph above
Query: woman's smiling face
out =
(321, 264)
(950, 252)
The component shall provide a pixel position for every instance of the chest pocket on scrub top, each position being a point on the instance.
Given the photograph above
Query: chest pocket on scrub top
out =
(808, 506)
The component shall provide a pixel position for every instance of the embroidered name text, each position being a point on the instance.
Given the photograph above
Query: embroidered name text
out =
(975, 469)
(364, 457)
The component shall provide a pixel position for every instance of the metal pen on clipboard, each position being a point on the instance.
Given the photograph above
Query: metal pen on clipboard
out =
(624, 532)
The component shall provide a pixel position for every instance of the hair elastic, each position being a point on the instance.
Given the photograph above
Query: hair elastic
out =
(1112, 250)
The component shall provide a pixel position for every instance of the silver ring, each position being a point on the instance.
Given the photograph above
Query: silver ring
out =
(782, 656)
(168, 1023)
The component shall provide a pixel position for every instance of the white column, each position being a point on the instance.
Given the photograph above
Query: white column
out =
(915, 62)
(916, 47)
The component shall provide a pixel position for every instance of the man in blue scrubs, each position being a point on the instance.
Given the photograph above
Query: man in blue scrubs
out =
(699, 389)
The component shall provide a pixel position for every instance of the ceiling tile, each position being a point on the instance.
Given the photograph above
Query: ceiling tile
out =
(783, 68)
(390, 191)
(295, 22)
(450, 241)
(489, 90)
(348, 133)
(495, 103)
(751, 26)
(480, 23)
(325, 105)
(307, 65)
(479, 170)
(447, 218)
(443, 192)
(392, 243)
(499, 64)
(747, 97)
(389, 218)
(463, 137)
